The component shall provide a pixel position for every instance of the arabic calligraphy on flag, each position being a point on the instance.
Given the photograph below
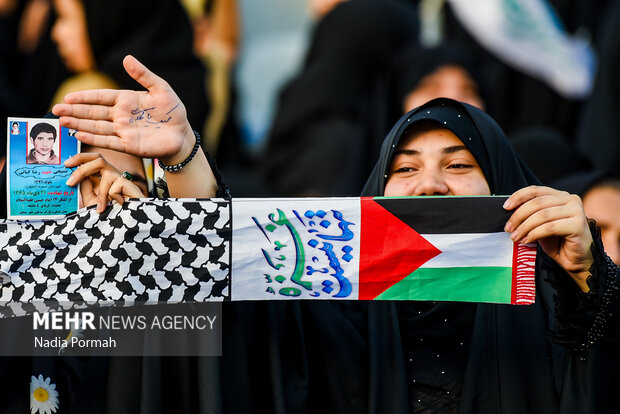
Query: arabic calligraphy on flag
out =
(306, 248)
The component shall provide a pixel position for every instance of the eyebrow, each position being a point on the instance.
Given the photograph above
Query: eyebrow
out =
(446, 150)
(455, 148)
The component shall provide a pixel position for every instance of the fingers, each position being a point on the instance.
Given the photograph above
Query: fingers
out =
(84, 111)
(142, 74)
(81, 158)
(543, 212)
(525, 194)
(104, 188)
(551, 221)
(96, 127)
(110, 187)
(106, 97)
(87, 190)
(112, 142)
(122, 188)
(92, 166)
(529, 207)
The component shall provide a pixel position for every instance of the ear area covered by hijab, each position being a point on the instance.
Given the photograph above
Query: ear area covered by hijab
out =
(504, 170)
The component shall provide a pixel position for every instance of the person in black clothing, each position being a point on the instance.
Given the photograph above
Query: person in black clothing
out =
(95, 36)
(424, 357)
(496, 358)
(326, 112)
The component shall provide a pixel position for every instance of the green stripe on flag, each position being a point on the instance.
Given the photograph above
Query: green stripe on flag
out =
(470, 284)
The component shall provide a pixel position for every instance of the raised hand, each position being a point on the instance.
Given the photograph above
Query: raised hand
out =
(150, 123)
(557, 221)
(100, 181)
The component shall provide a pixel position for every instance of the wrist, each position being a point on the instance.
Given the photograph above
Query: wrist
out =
(581, 279)
(180, 165)
(189, 140)
(581, 275)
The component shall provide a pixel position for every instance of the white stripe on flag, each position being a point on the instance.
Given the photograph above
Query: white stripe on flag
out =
(471, 250)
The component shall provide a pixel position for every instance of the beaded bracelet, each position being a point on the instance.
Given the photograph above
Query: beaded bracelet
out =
(182, 164)
(608, 298)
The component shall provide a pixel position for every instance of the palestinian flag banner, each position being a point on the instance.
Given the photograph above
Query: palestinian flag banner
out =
(415, 248)
(188, 250)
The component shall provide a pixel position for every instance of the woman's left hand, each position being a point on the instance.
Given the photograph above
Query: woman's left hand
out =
(99, 180)
(151, 123)
(557, 221)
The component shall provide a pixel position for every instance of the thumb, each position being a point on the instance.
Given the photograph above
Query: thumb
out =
(141, 73)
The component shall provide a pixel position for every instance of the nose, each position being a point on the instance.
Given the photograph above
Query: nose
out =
(431, 182)
(54, 33)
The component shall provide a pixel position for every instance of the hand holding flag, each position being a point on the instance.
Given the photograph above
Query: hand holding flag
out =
(556, 220)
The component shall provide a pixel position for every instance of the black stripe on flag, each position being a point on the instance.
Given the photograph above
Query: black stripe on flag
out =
(440, 215)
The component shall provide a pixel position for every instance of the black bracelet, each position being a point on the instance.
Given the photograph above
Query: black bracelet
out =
(182, 164)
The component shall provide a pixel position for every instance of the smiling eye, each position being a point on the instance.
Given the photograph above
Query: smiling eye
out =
(403, 170)
(460, 166)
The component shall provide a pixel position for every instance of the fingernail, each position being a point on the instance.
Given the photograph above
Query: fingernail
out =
(100, 208)
(70, 181)
(514, 236)
(508, 227)
(507, 204)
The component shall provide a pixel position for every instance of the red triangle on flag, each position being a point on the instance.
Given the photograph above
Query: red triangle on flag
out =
(390, 250)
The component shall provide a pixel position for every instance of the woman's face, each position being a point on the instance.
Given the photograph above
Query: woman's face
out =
(448, 81)
(433, 161)
(602, 204)
(71, 36)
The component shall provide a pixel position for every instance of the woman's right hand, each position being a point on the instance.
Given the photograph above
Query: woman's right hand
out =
(100, 181)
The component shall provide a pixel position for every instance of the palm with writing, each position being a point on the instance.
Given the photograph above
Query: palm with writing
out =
(150, 123)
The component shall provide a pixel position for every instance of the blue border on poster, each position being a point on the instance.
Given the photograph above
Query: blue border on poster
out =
(39, 190)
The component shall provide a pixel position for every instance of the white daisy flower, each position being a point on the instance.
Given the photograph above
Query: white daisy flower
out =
(43, 396)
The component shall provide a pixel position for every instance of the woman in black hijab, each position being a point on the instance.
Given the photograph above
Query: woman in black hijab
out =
(449, 70)
(341, 356)
(598, 133)
(600, 191)
(325, 112)
(496, 358)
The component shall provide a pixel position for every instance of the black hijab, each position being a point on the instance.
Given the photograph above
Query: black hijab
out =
(598, 135)
(327, 111)
(413, 63)
(583, 181)
(349, 47)
(548, 153)
(159, 34)
(504, 171)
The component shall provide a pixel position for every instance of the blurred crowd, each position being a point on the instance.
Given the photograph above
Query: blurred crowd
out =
(335, 95)
(545, 70)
